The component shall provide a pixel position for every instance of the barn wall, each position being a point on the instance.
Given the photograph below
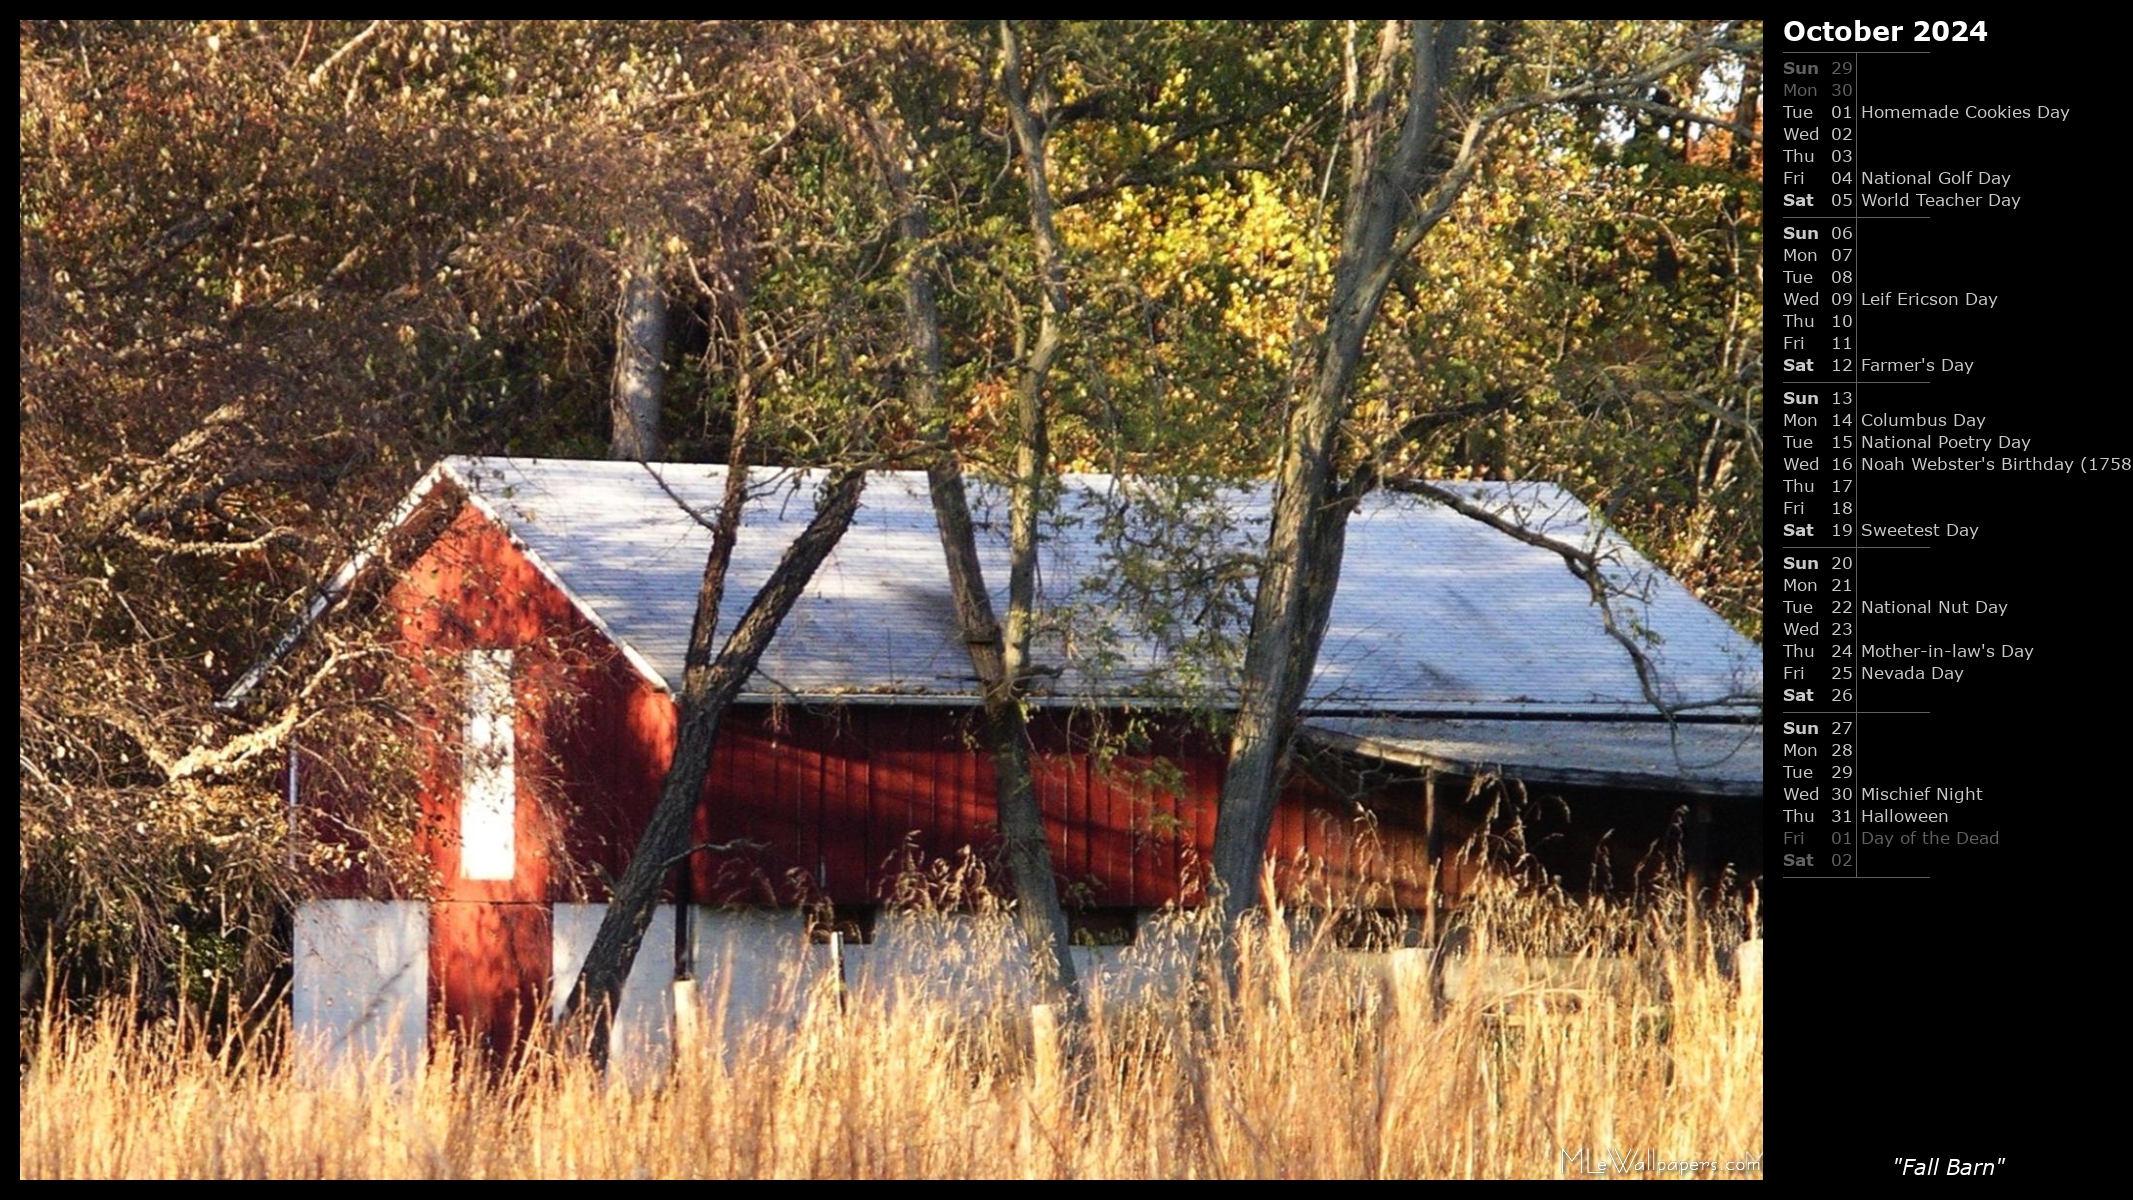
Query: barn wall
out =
(843, 801)
(853, 803)
(472, 590)
(489, 968)
(856, 804)
(866, 803)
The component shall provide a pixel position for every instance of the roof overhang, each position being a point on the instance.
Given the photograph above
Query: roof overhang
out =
(1702, 758)
(336, 588)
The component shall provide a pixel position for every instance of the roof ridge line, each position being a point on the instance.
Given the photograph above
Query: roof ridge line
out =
(635, 657)
(330, 594)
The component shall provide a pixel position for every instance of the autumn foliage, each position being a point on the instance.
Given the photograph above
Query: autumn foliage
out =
(270, 270)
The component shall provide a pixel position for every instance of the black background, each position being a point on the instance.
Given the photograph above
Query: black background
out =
(1943, 1016)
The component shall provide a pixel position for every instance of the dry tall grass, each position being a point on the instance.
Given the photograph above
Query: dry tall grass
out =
(1304, 1072)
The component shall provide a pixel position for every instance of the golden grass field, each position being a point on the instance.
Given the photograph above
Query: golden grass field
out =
(1302, 1071)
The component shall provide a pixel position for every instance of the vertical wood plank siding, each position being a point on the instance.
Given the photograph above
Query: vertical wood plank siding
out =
(820, 800)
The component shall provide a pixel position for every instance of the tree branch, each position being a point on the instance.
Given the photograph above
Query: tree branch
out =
(239, 751)
(194, 549)
(318, 73)
(1422, 425)
(1624, 90)
(1678, 113)
(1585, 565)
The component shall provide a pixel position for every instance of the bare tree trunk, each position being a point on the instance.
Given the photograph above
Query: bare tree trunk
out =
(1033, 450)
(1385, 219)
(1029, 852)
(640, 354)
(1714, 475)
(1746, 111)
(1038, 911)
(708, 688)
(1306, 539)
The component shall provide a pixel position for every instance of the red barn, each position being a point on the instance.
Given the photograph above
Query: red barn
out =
(552, 601)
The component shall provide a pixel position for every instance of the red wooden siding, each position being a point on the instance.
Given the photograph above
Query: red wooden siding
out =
(829, 801)
(836, 802)
(489, 968)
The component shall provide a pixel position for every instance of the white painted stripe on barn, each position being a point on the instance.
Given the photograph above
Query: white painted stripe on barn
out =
(488, 771)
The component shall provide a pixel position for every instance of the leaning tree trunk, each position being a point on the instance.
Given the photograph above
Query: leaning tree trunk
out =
(708, 688)
(1305, 540)
(1029, 852)
(640, 356)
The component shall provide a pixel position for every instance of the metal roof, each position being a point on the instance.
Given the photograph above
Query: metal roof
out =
(1435, 612)
(1707, 759)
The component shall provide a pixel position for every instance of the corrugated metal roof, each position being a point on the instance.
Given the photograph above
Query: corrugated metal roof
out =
(1710, 759)
(1435, 612)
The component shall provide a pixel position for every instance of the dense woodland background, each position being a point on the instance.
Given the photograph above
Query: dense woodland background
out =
(270, 271)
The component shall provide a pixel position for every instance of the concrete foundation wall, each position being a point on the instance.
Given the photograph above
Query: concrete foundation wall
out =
(644, 1017)
(362, 982)
(360, 986)
(752, 966)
